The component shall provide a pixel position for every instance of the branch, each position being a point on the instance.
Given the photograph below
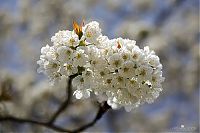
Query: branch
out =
(65, 104)
(22, 120)
(102, 110)
(53, 118)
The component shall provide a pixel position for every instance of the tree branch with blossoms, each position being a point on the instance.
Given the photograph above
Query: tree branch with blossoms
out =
(74, 50)
(116, 71)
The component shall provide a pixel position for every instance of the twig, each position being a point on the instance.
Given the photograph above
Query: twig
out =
(22, 120)
(66, 102)
(50, 124)
(102, 110)
(53, 118)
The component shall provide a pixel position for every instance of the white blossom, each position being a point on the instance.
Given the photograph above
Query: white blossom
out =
(144, 72)
(80, 58)
(68, 69)
(91, 32)
(65, 54)
(115, 61)
(127, 69)
(115, 70)
(68, 38)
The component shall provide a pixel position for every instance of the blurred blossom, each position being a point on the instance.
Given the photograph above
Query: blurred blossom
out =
(114, 4)
(134, 29)
(158, 42)
(143, 5)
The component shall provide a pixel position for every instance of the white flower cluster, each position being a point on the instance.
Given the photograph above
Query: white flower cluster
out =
(115, 70)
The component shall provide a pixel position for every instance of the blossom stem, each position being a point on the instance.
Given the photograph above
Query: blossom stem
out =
(66, 103)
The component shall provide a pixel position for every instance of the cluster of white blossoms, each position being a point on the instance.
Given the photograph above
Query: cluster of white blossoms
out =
(115, 70)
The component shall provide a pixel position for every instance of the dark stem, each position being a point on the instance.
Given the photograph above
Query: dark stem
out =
(102, 110)
(65, 104)
(22, 120)
(50, 124)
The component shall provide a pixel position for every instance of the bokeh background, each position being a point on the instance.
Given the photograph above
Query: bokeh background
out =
(170, 27)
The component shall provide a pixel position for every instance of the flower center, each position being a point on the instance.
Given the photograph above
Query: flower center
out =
(81, 80)
(78, 56)
(125, 57)
(154, 79)
(143, 72)
(102, 73)
(69, 67)
(126, 69)
(72, 41)
(94, 62)
(135, 56)
(68, 52)
(88, 34)
(54, 65)
(116, 62)
(119, 79)
(108, 81)
(133, 82)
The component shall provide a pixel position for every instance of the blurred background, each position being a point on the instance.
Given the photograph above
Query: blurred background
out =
(170, 27)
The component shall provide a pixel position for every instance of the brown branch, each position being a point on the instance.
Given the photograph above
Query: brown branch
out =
(65, 104)
(22, 120)
(102, 110)
(50, 124)
(53, 118)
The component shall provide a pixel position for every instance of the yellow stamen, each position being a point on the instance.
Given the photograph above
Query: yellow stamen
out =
(88, 34)
(72, 41)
